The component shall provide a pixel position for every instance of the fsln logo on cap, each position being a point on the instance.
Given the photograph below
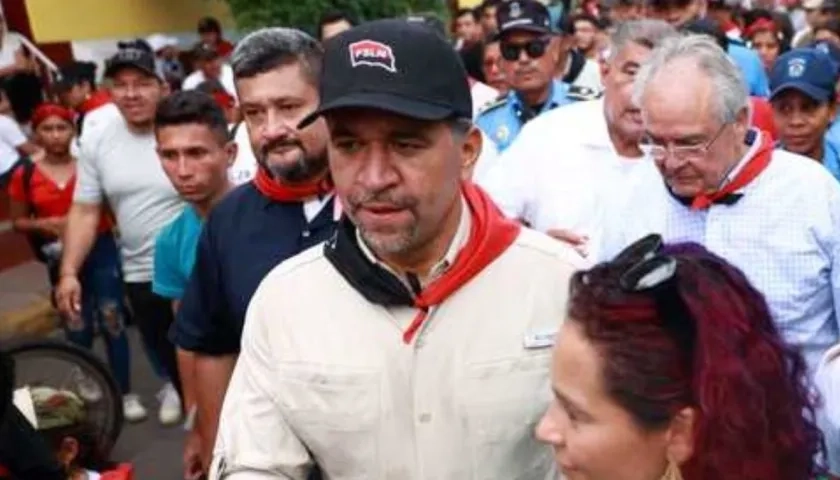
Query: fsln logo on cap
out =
(796, 67)
(515, 10)
(372, 54)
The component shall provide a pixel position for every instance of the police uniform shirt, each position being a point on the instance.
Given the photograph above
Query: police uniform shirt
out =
(503, 120)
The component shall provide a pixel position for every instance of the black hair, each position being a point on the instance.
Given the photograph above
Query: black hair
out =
(92, 452)
(488, 4)
(192, 107)
(269, 48)
(334, 16)
(584, 17)
(209, 25)
(211, 86)
(704, 26)
(473, 12)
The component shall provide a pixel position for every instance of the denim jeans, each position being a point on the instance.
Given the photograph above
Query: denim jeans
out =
(103, 308)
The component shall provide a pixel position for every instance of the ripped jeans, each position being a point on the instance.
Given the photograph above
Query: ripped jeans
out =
(103, 308)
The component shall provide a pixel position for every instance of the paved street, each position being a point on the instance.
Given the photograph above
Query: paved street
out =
(154, 451)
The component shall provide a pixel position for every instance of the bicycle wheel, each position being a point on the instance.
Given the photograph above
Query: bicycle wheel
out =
(61, 365)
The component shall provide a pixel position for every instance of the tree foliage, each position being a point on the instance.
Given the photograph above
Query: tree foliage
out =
(304, 14)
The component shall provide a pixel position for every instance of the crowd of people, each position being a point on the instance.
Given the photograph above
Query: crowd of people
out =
(611, 233)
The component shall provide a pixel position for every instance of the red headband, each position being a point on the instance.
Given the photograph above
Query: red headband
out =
(47, 110)
(760, 25)
(224, 99)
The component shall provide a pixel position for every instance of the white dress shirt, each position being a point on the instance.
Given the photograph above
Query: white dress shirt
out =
(563, 172)
(828, 382)
(783, 234)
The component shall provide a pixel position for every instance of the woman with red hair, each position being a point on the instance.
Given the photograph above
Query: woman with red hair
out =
(669, 366)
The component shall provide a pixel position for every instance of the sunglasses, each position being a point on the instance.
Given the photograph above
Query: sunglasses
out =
(534, 48)
(648, 271)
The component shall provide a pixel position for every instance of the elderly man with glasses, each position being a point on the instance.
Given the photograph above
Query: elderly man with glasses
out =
(771, 213)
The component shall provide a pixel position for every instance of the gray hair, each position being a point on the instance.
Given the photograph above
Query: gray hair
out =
(269, 48)
(647, 33)
(729, 90)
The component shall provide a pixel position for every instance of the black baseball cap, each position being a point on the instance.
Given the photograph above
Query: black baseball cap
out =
(395, 66)
(523, 15)
(131, 57)
(203, 52)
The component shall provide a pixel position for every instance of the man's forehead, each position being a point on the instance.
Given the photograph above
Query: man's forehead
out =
(365, 120)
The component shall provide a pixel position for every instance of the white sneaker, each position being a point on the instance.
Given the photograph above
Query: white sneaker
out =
(133, 410)
(86, 387)
(170, 406)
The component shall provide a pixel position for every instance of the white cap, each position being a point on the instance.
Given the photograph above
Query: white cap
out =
(812, 4)
(160, 41)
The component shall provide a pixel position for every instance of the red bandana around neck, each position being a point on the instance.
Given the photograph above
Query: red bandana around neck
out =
(753, 168)
(284, 192)
(96, 100)
(491, 234)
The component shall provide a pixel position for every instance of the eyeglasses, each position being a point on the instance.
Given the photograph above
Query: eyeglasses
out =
(680, 152)
(533, 48)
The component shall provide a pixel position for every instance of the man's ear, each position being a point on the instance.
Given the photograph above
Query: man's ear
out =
(231, 149)
(470, 151)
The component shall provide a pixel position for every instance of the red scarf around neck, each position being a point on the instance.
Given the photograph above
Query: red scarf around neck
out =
(753, 168)
(491, 234)
(96, 100)
(283, 192)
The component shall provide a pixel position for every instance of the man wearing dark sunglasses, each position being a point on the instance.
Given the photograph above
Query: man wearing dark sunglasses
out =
(530, 52)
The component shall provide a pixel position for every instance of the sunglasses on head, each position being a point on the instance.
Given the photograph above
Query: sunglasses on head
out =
(533, 48)
(646, 270)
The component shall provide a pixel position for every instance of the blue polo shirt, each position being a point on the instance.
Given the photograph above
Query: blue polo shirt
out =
(175, 254)
(244, 237)
(751, 68)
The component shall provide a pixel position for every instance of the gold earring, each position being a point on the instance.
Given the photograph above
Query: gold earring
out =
(672, 472)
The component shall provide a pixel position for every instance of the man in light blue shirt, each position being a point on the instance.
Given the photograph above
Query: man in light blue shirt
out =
(195, 149)
(195, 154)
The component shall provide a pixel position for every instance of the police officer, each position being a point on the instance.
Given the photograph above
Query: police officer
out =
(530, 52)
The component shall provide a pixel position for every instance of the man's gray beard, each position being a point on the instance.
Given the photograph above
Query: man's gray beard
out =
(304, 168)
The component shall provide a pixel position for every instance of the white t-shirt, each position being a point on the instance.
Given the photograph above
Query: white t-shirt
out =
(196, 78)
(562, 172)
(482, 94)
(122, 168)
(244, 168)
(11, 137)
(11, 45)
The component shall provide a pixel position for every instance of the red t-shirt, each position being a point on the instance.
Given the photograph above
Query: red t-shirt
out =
(48, 198)
(224, 48)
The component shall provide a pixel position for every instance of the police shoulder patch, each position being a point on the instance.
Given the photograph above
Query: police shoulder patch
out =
(579, 92)
(502, 100)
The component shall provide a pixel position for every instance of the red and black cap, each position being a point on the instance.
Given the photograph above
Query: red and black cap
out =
(395, 66)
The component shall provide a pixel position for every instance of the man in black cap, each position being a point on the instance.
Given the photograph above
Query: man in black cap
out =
(400, 348)
(209, 65)
(530, 54)
(118, 166)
